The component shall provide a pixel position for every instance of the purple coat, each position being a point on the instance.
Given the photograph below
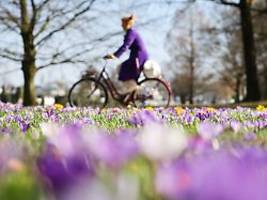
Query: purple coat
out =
(132, 67)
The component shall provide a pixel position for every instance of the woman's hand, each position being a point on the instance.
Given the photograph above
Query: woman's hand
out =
(109, 56)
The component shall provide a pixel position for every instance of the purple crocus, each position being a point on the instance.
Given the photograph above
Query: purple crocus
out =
(50, 114)
(216, 175)
(5, 130)
(199, 145)
(235, 125)
(24, 125)
(143, 117)
(63, 172)
(69, 139)
(250, 136)
(187, 117)
(173, 180)
(209, 130)
(202, 115)
(113, 150)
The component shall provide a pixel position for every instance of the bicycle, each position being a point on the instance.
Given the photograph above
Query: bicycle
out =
(94, 90)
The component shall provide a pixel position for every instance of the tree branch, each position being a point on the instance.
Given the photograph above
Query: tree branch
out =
(9, 26)
(65, 61)
(225, 2)
(41, 5)
(24, 16)
(34, 16)
(43, 27)
(53, 14)
(10, 55)
(66, 24)
(10, 17)
(260, 11)
(71, 58)
(10, 58)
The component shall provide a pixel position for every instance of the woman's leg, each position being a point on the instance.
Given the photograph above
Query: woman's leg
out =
(130, 86)
(117, 70)
(127, 86)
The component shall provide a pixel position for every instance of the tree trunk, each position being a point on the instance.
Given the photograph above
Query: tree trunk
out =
(29, 57)
(252, 84)
(265, 82)
(191, 90)
(29, 87)
(182, 99)
(237, 89)
(29, 70)
(191, 63)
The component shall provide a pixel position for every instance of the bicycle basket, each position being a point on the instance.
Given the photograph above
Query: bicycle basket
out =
(89, 73)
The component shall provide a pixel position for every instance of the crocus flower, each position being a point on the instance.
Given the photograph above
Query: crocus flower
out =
(142, 117)
(159, 142)
(208, 130)
(5, 130)
(217, 175)
(24, 125)
(250, 136)
(63, 172)
(58, 107)
(113, 150)
(261, 108)
(173, 180)
(202, 115)
(235, 125)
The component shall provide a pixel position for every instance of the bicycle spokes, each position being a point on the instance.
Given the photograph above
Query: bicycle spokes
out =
(152, 92)
(88, 92)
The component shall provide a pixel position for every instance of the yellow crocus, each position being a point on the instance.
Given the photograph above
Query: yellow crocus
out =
(210, 109)
(149, 108)
(58, 106)
(179, 110)
(260, 108)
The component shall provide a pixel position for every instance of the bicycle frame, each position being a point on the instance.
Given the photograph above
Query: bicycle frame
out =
(103, 75)
(108, 83)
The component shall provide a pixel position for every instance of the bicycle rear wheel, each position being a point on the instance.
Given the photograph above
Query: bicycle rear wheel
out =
(152, 92)
(88, 92)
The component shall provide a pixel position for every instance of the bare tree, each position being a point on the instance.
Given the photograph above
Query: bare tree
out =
(259, 20)
(187, 51)
(44, 33)
(180, 86)
(245, 8)
(37, 23)
(233, 72)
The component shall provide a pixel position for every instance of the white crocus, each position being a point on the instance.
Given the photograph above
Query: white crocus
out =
(160, 142)
(50, 130)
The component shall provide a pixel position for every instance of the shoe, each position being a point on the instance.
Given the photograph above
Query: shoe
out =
(124, 98)
(127, 98)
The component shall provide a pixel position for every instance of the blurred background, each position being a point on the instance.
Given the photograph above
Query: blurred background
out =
(211, 51)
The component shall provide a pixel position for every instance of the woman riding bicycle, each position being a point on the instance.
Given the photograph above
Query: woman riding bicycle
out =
(150, 91)
(129, 70)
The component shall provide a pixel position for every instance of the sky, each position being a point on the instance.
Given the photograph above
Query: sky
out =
(153, 34)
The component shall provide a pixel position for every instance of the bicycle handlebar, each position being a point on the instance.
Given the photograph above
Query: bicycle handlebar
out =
(105, 58)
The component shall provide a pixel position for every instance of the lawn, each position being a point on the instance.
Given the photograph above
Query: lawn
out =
(202, 153)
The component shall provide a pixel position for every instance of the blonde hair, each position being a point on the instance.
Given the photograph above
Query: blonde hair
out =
(129, 20)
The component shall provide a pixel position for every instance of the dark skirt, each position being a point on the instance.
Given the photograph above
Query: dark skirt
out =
(131, 68)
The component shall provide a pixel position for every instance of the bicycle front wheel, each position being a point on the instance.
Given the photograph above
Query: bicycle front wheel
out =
(152, 92)
(88, 93)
